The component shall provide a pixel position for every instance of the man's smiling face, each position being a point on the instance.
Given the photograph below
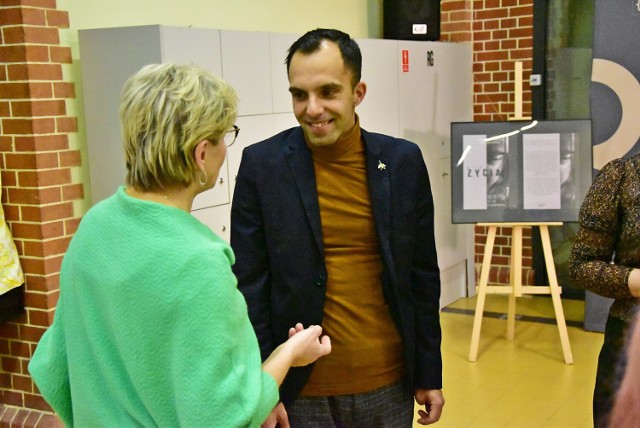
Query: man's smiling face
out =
(324, 99)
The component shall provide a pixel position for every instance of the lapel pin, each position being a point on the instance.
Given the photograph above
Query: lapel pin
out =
(381, 166)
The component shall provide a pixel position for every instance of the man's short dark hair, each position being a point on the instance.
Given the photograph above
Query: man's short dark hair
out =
(311, 41)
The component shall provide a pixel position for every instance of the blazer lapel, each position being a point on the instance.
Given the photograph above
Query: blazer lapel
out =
(298, 156)
(380, 192)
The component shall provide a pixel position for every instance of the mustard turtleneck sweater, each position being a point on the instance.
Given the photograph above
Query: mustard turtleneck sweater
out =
(366, 346)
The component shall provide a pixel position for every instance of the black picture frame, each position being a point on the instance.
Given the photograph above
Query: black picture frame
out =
(520, 171)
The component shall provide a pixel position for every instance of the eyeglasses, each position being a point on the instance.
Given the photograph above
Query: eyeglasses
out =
(230, 136)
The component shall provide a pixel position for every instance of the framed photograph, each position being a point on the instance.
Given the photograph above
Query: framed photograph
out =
(519, 171)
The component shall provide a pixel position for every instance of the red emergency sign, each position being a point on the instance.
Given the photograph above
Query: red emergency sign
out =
(405, 61)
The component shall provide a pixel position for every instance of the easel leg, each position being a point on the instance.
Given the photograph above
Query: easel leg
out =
(555, 294)
(482, 293)
(515, 279)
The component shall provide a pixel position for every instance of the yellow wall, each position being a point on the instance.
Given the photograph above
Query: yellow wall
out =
(297, 16)
(359, 18)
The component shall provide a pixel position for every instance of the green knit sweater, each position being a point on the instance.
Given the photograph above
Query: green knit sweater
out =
(150, 329)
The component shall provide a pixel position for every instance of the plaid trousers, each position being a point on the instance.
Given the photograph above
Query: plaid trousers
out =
(387, 407)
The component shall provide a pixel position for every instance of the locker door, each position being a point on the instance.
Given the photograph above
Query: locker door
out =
(252, 130)
(379, 110)
(280, 43)
(192, 46)
(218, 194)
(217, 218)
(108, 60)
(284, 121)
(246, 65)
(202, 47)
(427, 106)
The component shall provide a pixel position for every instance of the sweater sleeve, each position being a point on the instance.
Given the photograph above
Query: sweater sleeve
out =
(214, 361)
(50, 370)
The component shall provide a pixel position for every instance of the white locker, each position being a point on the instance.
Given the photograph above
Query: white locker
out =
(284, 121)
(108, 59)
(379, 110)
(252, 130)
(192, 45)
(435, 89)
(454, 89)
(280, 43)
(218, 195)
(417, 83)
(217, 218)
(246, 65)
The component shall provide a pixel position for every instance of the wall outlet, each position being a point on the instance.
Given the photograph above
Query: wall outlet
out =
(535, 80)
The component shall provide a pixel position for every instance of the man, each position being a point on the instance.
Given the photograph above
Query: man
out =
(333, 225)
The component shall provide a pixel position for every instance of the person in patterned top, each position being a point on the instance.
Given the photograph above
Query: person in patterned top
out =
(605, 259)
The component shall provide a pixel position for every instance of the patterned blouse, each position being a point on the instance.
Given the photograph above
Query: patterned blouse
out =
(607, 246)
(11, 275)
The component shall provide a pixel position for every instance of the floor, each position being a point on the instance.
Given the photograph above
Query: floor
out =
(520, 383)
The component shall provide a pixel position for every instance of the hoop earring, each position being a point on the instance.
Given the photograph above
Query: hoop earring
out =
(202, 182)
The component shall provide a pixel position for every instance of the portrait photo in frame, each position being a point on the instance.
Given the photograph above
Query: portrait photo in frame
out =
(520, 171)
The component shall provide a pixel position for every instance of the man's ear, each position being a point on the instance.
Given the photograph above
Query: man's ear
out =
(359, 92)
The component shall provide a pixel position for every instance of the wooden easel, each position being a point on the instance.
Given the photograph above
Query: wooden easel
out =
(515, 287)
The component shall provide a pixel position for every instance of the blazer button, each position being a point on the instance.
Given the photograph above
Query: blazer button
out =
(320, 281)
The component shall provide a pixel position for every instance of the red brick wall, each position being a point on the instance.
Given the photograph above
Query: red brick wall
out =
(502, 33)
(38, 191)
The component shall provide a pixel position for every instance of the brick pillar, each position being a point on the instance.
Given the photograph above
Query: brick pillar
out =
(456, 20)
(38, 190)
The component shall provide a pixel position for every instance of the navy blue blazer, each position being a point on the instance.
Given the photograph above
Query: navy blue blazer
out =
(277, 239)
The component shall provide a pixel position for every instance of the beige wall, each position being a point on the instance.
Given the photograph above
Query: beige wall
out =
(352, 16)
(359, 18)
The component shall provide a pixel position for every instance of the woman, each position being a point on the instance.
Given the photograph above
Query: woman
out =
(605, 259)
(150, 329)
(626, 409)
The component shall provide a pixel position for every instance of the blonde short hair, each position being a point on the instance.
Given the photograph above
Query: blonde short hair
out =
(165, 111)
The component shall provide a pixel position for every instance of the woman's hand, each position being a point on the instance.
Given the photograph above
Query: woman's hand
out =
(634, 282)
(304, 346)
(307, 345)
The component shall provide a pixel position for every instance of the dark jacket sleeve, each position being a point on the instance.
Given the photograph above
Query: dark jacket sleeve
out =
(425, 282)
(415, 263)
(252, 259)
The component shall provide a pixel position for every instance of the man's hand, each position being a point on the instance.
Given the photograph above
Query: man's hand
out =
(278, 417)
(433, 401)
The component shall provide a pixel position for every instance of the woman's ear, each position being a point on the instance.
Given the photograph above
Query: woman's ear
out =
(200, 153)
